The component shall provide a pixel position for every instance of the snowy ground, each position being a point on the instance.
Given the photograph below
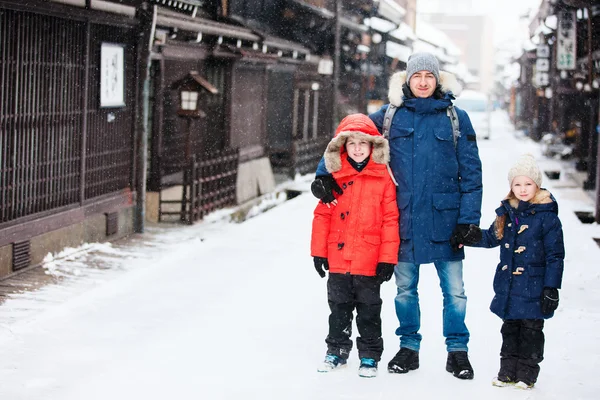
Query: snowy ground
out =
(221, 310)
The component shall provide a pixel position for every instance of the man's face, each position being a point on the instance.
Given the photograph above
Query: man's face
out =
(422, 84)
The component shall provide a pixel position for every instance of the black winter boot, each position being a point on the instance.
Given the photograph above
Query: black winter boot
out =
(404, 361)
(458, 363)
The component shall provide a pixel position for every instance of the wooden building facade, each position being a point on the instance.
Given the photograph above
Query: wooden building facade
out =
(117, 112)
(66, 157)
(563, 96)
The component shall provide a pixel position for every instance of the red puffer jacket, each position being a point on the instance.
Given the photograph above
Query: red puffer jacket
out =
(362, 229)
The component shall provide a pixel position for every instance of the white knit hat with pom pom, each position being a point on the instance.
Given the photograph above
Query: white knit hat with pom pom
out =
(526, 166)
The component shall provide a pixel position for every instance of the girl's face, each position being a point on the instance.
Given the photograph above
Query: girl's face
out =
(358, 149)
(523, 188)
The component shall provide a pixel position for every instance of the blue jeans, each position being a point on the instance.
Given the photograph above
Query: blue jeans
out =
(455, 305)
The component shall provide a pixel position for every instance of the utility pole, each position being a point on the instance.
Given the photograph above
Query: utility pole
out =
(147, 16)
(336, 64)
(597, 134)
(592, 160)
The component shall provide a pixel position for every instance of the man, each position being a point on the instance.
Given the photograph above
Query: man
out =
(439, 198)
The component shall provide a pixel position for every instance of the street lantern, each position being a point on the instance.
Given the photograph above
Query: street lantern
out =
(189, 100)
(189, 89)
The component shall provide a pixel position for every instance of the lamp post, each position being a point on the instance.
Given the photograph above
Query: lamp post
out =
(188, 109)
(336, 63)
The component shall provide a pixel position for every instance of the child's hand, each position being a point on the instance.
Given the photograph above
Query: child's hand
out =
(321, 265)
(549, 300)
(385, 271)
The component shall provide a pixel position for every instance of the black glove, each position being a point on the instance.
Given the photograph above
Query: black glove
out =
(465, 234)
(323, 187)
(320, 264)
(385, 271)
(549, 300)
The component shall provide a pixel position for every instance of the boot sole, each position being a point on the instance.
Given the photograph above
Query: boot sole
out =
(498, 383)
(467, 375)
(324, 370)
(367, 372)
(396, 369)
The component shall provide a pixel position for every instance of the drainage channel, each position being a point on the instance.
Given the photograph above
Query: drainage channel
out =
(552, 175)
(586, 217)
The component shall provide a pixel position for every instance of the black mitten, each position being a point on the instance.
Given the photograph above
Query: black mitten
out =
(321, 265)
(323, 186)
(549, 300)
(385, 271)
(465, 234)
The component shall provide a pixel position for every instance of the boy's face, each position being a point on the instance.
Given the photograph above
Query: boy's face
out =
(358, 148)
(523, 188)
(422, 84)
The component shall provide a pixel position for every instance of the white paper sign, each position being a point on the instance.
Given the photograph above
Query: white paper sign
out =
(112, 75)
(542, 65)
(566, 41)
(542, 51)
(542, 79)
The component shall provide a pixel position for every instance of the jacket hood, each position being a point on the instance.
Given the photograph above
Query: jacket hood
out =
(362, 126)
(448, 82)
(542, 201)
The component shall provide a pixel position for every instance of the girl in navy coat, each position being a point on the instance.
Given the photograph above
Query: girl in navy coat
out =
(529, 233)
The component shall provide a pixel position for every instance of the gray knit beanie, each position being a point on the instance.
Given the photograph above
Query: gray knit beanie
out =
(422, 62)
(526, 166)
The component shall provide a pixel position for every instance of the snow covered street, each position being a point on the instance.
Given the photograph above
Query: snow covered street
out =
(222, 310)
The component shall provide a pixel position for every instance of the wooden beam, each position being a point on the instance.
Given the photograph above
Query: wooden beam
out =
(68, 12)
(49, 223)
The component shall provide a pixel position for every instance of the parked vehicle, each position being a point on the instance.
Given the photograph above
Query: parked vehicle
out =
(478, 106)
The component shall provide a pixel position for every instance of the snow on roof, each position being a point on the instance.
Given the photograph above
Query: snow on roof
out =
(379, 24)
(403, 32)
(397, 50)
(391, 10)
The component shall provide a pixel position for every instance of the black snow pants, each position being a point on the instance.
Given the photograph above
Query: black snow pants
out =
(346, 292)
(522, 349)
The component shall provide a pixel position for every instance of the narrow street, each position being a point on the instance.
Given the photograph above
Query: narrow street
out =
(221, 310)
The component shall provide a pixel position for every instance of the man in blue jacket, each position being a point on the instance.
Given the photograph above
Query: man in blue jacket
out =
(439, 197)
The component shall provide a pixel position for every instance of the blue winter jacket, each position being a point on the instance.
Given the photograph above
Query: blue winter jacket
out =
(531, 255)
(439, 186)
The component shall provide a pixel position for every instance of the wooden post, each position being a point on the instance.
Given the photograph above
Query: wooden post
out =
(84, 119)
(597, 133)
(592, 159)
(147, 17)
(336, 63)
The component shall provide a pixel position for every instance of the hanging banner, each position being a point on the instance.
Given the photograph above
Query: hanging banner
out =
(112, 75)
(566, 43)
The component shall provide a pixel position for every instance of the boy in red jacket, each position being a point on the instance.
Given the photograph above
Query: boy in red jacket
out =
(357, 240)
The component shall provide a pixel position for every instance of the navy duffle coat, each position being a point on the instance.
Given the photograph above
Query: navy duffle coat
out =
(531, 256)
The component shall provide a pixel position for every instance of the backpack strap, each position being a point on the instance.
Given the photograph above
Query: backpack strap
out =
(387, 120)
(451, 111)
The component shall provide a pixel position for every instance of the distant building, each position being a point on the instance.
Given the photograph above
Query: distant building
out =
(466, 24)
(473, 35)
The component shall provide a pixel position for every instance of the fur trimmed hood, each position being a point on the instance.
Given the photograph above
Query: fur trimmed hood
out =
(541, 197)
(448, 82)
(362, 126)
